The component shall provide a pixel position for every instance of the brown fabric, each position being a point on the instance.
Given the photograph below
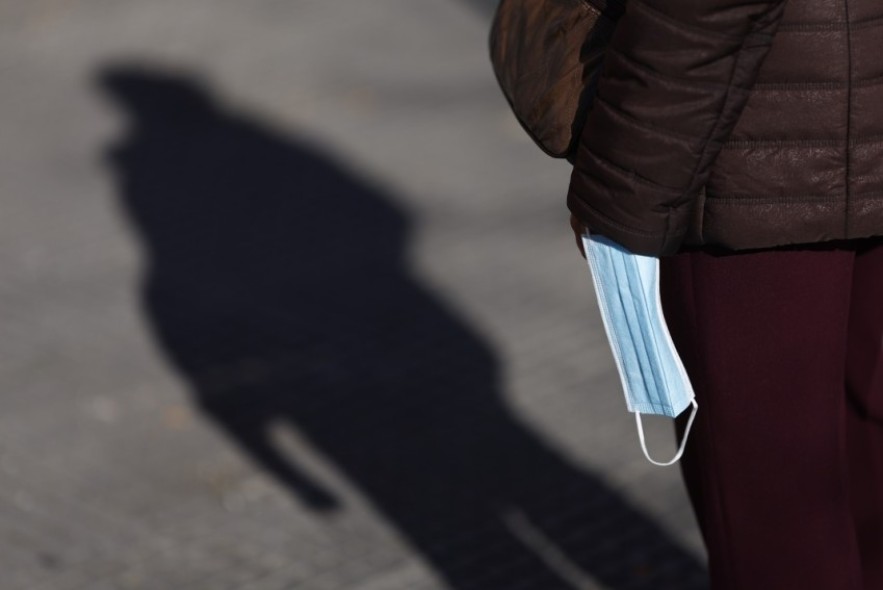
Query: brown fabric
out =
(740, 124)
(546, 55)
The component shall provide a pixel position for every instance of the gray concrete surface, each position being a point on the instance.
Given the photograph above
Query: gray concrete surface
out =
(290, 302)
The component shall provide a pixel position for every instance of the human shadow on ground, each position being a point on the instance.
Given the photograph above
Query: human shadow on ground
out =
(277, 284)
(485, 7)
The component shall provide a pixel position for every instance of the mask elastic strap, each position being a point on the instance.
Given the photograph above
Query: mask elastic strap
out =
(683, 442)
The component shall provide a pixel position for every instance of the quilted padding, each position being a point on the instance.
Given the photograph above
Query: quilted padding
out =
(734, 123)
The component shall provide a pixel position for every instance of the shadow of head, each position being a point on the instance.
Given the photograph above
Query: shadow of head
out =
(198, 178)
(484, 7)
(157, 97)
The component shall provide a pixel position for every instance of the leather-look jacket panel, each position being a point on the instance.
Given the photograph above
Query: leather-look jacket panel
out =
(742, 125)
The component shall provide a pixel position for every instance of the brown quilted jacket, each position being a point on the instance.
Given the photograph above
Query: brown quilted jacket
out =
(738, 123)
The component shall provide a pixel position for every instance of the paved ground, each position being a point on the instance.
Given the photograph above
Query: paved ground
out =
(290, 302)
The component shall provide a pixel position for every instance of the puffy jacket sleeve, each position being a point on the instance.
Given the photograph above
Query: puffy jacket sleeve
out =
(675, 79)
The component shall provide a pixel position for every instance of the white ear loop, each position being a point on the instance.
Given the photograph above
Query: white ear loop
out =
(683, 442)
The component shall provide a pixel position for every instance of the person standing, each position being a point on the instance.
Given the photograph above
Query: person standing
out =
(742, 144)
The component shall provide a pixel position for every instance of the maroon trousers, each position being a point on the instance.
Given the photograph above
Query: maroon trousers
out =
(784, 466)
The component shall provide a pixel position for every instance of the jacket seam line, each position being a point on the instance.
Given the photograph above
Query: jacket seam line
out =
(832, 26)
(867, 23)
(789, 200)
(725, 202)
(773, 86)
(868, 195)
(848, 154)
(811, 27)
(875, 81)
(638, 123)
(783, 143)
(769, 199)
(603, 161)
(700, 212)
(699, 85)
(604, 218)
(814, 86)
(726, 100)
(662, 16)
(869, 140)
(803, 143)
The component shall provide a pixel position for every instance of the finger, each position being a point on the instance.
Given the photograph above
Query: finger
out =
(578, 231)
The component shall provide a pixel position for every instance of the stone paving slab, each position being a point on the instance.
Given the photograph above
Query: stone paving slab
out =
(290, 302)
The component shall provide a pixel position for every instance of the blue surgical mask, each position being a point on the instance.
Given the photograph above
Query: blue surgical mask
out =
(653, 377)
